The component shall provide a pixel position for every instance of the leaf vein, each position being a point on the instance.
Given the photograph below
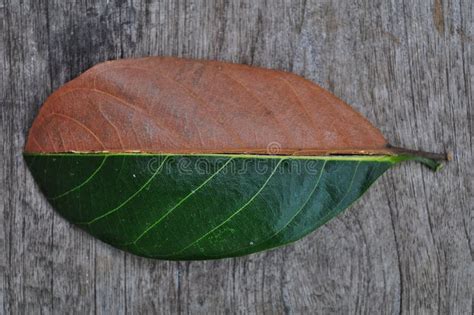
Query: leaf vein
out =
(320, 220)
(83, 183)
(180, 202)
(129, 198)
(233, 215)
(80, 124)
(193, 95)
(299, 210)
(324, 218)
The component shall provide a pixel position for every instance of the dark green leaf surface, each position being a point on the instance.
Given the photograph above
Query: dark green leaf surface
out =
(202, 207)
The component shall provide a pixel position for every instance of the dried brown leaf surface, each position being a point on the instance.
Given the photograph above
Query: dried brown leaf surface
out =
(172, 105)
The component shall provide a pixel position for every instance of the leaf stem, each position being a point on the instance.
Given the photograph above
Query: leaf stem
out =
(428, 155)
(430, 159)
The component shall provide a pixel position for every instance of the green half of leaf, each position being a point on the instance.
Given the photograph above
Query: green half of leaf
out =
(183, 207)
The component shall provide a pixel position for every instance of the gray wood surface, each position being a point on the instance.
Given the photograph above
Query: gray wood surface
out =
(405, 247)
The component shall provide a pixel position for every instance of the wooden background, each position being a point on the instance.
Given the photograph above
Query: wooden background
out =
(406, 247)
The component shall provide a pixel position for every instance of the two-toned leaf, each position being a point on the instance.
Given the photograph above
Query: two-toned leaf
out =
(180, 159)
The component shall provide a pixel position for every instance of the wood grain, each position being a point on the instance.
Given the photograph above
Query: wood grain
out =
(405, 247)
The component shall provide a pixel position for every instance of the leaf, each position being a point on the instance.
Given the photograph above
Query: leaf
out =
(179, 159)
(200, 207)
(171, 105)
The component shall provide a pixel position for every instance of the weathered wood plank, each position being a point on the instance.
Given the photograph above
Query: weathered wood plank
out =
(405, 247)
(27, 221)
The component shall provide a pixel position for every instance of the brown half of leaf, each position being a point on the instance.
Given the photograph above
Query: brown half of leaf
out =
(172, 105)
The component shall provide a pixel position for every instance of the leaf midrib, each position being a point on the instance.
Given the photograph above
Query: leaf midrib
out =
(362, 158)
